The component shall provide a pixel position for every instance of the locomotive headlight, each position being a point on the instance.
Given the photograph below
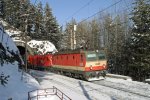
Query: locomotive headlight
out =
(104, 65)
(91, 67)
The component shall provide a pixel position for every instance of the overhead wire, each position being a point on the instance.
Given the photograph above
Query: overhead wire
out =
(101, 11)
(87, 4)
(127, 5)
(35, 2)
(128, 8)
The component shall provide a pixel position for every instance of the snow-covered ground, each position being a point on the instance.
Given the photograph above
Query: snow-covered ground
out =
(18, 85)
(82, 90)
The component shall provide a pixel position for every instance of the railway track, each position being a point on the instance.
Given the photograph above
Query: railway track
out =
(121, 88)
(100, 87)
(110, 84)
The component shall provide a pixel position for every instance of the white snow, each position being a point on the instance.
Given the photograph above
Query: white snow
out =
(13, 32)
(17, 88)
(42, 47)
(3, 22)
(7, 41)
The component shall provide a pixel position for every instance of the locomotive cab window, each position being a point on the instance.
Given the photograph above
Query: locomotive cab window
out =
(91, 56)
(101, 56)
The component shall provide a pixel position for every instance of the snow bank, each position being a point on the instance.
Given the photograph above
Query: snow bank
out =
(17, 87)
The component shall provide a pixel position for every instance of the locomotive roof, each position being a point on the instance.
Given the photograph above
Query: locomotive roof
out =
(74, 51)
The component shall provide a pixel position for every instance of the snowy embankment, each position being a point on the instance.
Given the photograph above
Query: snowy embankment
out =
(18, 84)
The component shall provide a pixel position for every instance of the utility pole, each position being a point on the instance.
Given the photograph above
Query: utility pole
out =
(26, 56)
(73, 29)
(71, 37)
(74, 36)
(25, 39)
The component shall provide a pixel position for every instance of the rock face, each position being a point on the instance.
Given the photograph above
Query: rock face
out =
(7, 42)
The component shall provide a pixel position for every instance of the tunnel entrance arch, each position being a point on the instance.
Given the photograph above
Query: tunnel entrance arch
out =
(21, 46)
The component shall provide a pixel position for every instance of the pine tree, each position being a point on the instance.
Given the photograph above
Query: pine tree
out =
(1, 9)
(38, 21)
(23, 9)
(119, 40)
(83, 35)
(51, 26)
(94, 35)
(4, 79)
(139, 62)
(11, 12)
(109, 40)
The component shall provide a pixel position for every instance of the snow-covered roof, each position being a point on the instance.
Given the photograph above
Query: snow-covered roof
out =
(42, 47)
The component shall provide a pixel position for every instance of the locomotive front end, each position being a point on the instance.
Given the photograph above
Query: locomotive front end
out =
(96, 65)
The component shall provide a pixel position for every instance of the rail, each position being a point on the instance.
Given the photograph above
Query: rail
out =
(36, 94)
(119, 76)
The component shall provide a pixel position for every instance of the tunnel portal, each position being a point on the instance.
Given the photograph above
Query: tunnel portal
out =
(21, 46)
(21, 49)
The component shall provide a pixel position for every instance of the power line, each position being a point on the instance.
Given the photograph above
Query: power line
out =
(117, 12)
(126, 3)
(35, 2)
(79, 10)
(101, 11)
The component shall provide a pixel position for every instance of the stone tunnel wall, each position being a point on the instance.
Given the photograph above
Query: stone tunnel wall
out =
(22, 44)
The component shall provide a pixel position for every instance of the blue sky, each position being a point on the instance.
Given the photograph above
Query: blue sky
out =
(65, 10)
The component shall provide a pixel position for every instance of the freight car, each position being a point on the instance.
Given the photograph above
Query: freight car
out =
(87, 65)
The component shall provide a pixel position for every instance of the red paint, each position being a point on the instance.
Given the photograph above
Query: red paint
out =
(95, 68)
(68, 60)
(40, 60)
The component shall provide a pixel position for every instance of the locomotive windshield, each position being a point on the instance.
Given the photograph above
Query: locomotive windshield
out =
(101, 56)
(95, 56)
(91, 56)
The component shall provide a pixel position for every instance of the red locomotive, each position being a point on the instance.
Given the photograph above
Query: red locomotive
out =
(80, 64)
